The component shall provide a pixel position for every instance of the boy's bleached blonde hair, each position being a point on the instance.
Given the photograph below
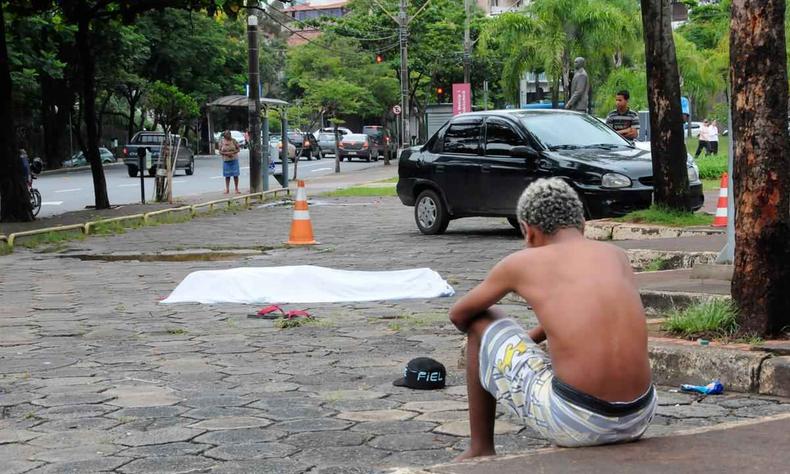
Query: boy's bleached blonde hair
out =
(550, 205)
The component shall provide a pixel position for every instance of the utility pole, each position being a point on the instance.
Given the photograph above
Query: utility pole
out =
(404, 73)
(467, 44)
(254, 107)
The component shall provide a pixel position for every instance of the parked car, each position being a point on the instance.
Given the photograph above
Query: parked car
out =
(326, 143)
(381, 139)
(357, 145)
(79, 159)
(240, 138)
(275, 149)
(152, 142)
(305, 143)
(342, 130)
(479, 163)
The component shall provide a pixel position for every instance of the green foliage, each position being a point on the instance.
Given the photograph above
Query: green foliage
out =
(171, 106)
(340, 80)
(548, 34)
(668, 217)
(712, 167)
(657, 265)
(634, 80)
(714, 318)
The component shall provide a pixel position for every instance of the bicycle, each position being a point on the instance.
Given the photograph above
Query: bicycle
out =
(36, 167)
(35, 200)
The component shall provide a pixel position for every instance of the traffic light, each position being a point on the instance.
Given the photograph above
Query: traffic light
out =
(379, 59)
(440, 94)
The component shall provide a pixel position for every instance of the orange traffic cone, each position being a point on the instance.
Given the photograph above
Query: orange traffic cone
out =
(721, 208)
(301, 227)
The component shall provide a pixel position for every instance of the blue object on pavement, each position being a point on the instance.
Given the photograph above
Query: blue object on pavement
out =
(713, 388)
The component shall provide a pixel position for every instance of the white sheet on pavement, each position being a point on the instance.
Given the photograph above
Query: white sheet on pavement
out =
(306, 284)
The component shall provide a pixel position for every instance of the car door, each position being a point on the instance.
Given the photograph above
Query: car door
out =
(457, 169)
(504, 176)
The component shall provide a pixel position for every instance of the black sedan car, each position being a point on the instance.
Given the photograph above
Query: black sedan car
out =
(478, 164)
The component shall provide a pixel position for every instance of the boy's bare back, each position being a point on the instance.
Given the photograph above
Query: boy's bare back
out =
(585, 297)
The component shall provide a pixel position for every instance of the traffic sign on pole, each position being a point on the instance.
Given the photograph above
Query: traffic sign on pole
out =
(396, 109)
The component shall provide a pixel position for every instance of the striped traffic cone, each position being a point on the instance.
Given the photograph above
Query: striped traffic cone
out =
(301, 227)
(721, 207)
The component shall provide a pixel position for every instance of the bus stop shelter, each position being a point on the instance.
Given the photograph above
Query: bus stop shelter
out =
(243, 102)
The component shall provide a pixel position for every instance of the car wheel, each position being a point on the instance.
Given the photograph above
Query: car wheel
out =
(132, 170)
(152, 171)
(190, 170)
(376, 157)
(320, 155)
(310, 155)
(430, 213)
(514, 222)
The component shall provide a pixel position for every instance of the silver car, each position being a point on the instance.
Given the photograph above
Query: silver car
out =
(326, 143)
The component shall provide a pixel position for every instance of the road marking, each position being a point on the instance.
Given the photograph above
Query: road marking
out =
(320, 169)
(176, 181)
(216, 177)
(69, 190)
(52, 203)
(129, 185)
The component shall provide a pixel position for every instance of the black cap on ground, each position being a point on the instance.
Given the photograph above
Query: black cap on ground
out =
(422, 373)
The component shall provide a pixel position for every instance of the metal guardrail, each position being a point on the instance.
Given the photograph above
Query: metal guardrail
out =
(87, 227)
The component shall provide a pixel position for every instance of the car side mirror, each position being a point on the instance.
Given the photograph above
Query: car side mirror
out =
(523, 152)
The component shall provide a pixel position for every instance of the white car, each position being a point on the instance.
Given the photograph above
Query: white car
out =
(234, 134)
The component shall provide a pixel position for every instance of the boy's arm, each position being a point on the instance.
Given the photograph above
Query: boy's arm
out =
(497, 284)
(537, 334)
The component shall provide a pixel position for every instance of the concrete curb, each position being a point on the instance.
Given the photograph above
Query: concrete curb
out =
(678, 362)
(605, 229)
(669, 259)
(85, 228)
(661, 301)
(503, 463)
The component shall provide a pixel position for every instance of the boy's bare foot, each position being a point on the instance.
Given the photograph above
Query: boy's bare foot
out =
(470, 453)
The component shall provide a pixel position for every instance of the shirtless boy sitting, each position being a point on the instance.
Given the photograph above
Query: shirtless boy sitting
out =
(594, 385)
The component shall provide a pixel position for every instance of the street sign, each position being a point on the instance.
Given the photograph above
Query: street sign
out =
(462, 98)
(396, 109)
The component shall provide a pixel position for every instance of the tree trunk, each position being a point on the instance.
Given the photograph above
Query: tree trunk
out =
(88, 67)
(670, 177)
(761, 281)
(14, 197)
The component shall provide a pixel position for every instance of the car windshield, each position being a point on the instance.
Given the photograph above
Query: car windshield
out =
(374, 132)
(326, 137)
(568, 131)
(355, 137)
(157, 139)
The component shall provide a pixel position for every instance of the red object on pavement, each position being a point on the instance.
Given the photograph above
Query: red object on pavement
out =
(721, 208)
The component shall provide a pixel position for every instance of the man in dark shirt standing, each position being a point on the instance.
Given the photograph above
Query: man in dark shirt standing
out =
(623, 120)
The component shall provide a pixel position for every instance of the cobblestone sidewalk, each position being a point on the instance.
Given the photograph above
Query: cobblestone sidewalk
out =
(95, 375)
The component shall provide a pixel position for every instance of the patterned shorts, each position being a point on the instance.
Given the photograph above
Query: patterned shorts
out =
(519, 375)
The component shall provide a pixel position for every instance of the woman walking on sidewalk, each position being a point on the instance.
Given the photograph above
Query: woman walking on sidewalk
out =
(229, 150)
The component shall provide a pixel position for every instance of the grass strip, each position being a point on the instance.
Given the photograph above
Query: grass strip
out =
(362, 191)
(668, 217)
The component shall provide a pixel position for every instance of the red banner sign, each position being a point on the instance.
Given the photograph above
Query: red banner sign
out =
(462, 98)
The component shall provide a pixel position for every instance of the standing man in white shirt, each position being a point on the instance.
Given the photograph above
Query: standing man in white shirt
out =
(704, 136)
(713, 138)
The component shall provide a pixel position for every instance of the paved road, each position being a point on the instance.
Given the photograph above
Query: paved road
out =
(96, 375)
(74, 191)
